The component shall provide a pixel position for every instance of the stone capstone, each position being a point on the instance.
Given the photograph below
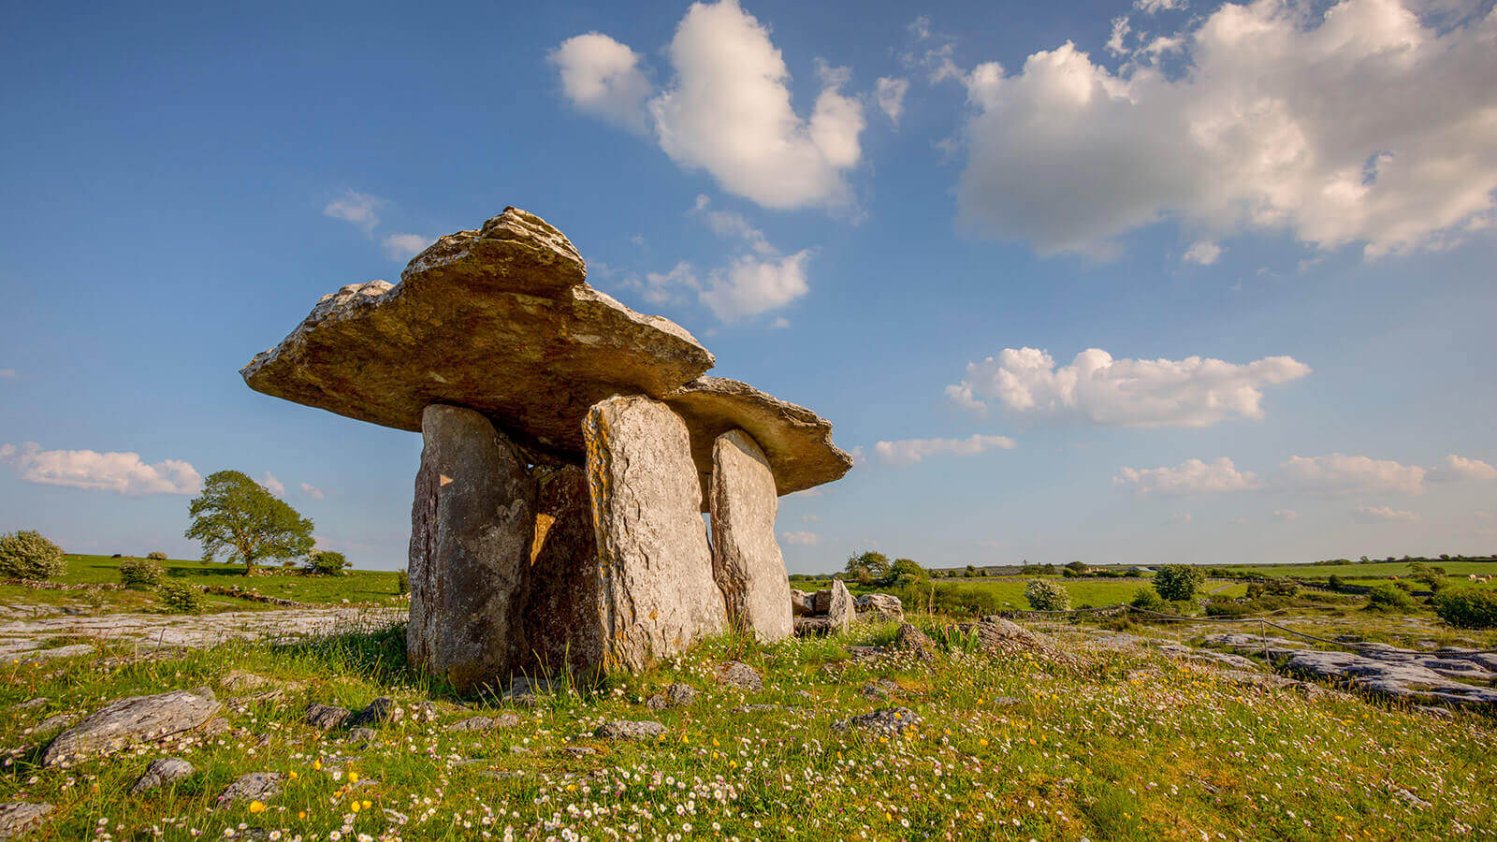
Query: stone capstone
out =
(658, 594)
(126, 722)
(498, 320)
(471, 528)
(746, 559)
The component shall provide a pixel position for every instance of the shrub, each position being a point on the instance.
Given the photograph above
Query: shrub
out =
(1178, 582)
(29, 555)
(141, 573)
(1148, 600)
(326, 563)
(180, 597)
(402, 582)
(1467, 608)
(1227, 607)
(156, 556)
(1045, 595)
(1389, 598)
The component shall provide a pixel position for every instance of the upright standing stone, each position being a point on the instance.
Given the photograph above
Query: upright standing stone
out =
(471, 529)
(842, 609)
(746, 559)
(656, 566)
(564, 617)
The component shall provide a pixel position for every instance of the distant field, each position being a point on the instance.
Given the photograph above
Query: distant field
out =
(355, 587)
(1096, 593)
(1377, 569)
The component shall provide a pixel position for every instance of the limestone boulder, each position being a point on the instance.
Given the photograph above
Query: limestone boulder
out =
(841, 609)
(802, 604)
(796, 441)
(746, 559)
(564, 616)
(499, 320)
(472, 522)
(658, 593)
(880, 607)
(126, 722)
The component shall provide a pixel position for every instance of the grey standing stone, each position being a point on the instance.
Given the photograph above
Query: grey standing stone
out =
(841, 610)
(163, 770)
(471, 528)
(564, 614)
(18, 817)
(746, 559)
(128, 721)
(658, 593)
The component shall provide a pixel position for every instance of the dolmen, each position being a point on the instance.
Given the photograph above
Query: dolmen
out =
(570, 449)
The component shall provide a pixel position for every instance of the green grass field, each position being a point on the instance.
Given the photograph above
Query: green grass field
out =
(1009, 590)
(358, 587)
(1377, 569)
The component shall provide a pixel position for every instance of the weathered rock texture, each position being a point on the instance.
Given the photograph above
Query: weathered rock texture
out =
(162, 771)
(564, 618)
(471, 528)
(796, 441)
(880, 607)
(499, 320)
(656, 567)
(129, 721)
(841, 609)
(746, 559)
(18, 817)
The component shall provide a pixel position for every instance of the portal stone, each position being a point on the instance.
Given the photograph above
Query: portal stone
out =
(746, 559)
(564, 617)
(658, 595)
(471, 528)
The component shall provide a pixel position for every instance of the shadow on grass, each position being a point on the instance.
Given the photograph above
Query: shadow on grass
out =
(375, 654)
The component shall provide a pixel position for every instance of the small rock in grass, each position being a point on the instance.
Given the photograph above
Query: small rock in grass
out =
(379, 712)
(125, 722)
(239, 681)
(883, 688)
(32, 704)
(361, 734)
(741, 675)
(675, 696)
(53, 723)
(326, 717)
(18, 817)
(624, 729)
(256, 786)
(163, 770)
(472, 723)
(577, 751)
(911, 639)
(1410, 798)
(1006, 701)
(506, 720)
(889, 721)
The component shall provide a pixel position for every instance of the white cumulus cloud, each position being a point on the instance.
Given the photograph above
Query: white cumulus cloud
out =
(802, 538)
(355, 208)
(1358, 124)
(727, 108)
(405, 246)
(910, 451)
(1342, 474)
(1455, 467)
(273, 485)
(890, 93)
(1095, 387)
(1189, 477)
(312, 491)
(603, 78)
(1202, 253)
(122, 473)
(1382, 514)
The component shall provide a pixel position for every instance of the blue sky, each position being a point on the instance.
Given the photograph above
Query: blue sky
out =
(1266, 230)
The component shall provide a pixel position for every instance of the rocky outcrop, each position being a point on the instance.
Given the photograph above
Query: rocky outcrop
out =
(498, 320)
(998, 636)
(471, 528)
(564, 614)
(659, 596)
(746, 559)
(126, 722)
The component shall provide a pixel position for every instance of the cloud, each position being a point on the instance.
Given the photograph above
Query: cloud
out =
(1150, 7)
(1455, 468)
(273, 485)
(1382, 514)
(1342, 474)
(804, 539)
(358, 209)
(1189, 477)
(602, 77)
(1094, 387)
(1202, 253)
(727, 109)
(312, 491)
(7, 374)
(910, 451)
(405, 246)
(1360, 125)
(122, 473)
(890, 95)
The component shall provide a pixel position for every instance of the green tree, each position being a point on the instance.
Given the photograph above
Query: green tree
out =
(326, 563)
(868, 567)
(1178, 582)
(29, 555)
(905, 571)
(238, 518)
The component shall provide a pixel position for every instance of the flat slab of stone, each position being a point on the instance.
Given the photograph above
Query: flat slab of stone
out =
(746, 559)
(499, 320)
(796, 441)
(18, 817)
(129, 721)
(659, 596)
(472, 522)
